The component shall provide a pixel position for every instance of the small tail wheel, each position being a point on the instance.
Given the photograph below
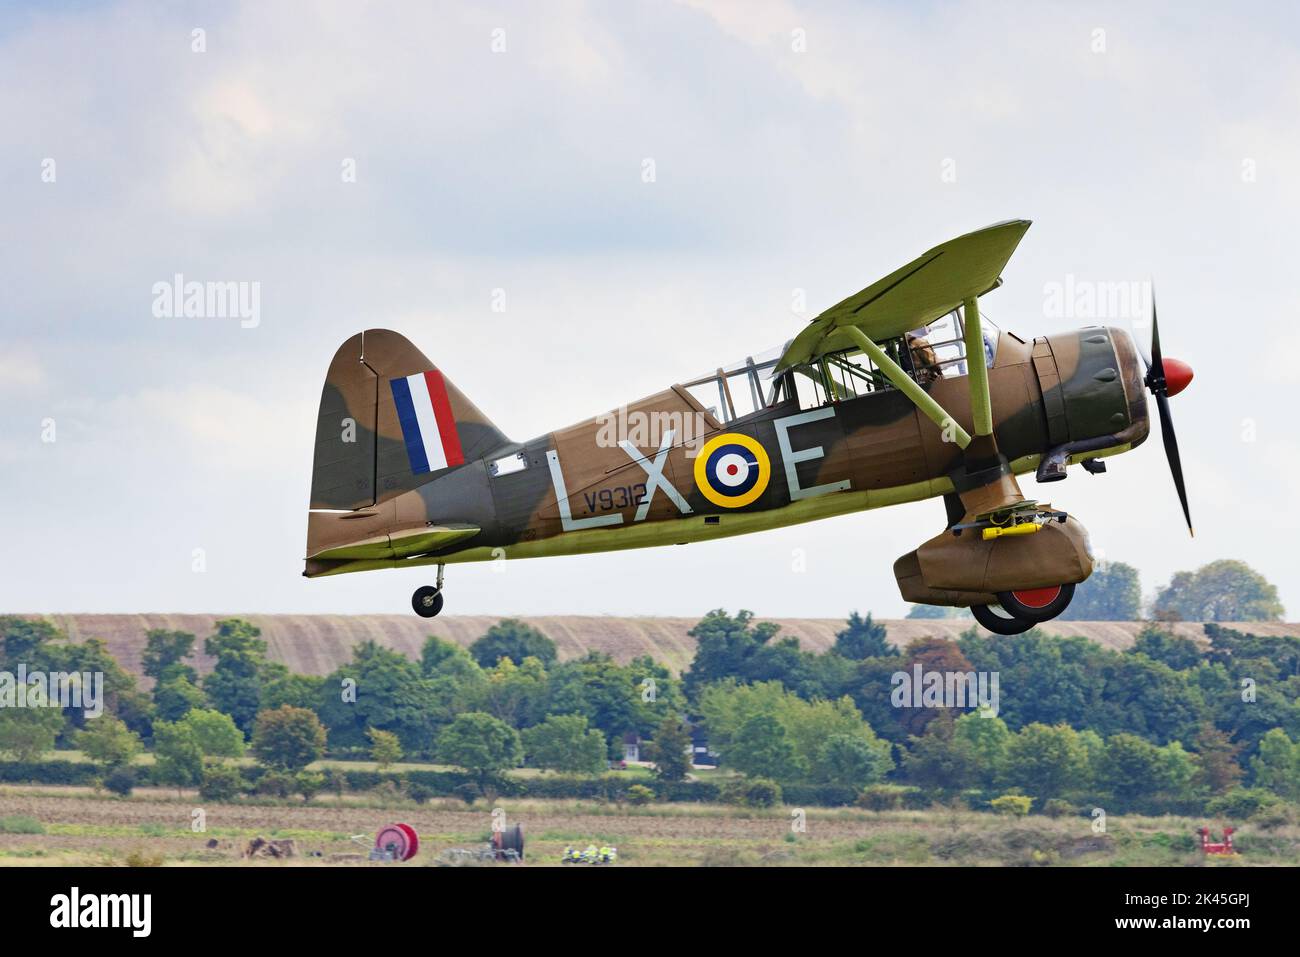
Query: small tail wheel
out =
(427, 601)
(996, 619)
(1037, 604)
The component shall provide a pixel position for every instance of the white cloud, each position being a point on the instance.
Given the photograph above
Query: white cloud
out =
(20, 371)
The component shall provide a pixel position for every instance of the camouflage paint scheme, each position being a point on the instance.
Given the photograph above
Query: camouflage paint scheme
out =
(1063, 398)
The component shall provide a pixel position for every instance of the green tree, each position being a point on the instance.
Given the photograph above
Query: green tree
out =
(761, 749)
(985, 740)
(737, 648)
(1177, 771)
(1111, 593)
(850, 761)
(1147, 698)
(109, 742)
(670, 750)
(309, 784)
(513, 692)
(178, 759)
(380, 688)
(215, 733)
(933, 656)
(454, 679)
(1225, 590)
(481, 744)
(33, 642)
(511, 638)
(1043, 680)
(1217, 769)
(871, 689)
(1046, 761)
(121, 697)
(863, 638)
(301, 691)
(939, 760)
(565, 743)
(385, 748)
(1247, 653)
(727, 706)
(174, 698)
(164, 654)
(811, 724)
(288, 738)
(436, 652)
(1164, 646)
(1276, 765)
(221, 783)
(723, 647)
(27, 733)
(656, 691)
(241, 672)
(1131, 768)
(607, 693)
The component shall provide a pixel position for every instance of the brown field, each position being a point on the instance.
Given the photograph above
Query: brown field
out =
(317, 644)
(154, 827)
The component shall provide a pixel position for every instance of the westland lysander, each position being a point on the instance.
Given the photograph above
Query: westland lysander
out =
(901, 392)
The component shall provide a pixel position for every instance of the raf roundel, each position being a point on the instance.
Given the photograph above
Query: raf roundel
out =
(732, 470)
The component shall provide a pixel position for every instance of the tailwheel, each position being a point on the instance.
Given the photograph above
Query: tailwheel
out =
(427, 601)
(997, 620)
(1036, 604)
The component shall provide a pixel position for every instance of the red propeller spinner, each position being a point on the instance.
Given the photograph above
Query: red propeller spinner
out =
(1178, 375)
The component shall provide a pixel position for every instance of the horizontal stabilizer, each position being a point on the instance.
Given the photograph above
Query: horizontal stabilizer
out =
(402, 544)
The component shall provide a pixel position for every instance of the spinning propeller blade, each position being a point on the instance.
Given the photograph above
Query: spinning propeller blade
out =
(1157, 380)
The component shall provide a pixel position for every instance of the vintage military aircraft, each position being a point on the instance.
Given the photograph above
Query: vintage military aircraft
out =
(899, 393)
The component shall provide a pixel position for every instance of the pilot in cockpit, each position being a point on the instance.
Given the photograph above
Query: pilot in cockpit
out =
(925, 364)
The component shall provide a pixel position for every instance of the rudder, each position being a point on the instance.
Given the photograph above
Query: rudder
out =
(389, 421)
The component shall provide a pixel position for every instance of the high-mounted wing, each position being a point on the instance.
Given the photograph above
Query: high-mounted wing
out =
(920, 292)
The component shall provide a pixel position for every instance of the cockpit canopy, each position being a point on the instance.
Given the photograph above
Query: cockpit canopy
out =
(932, 352)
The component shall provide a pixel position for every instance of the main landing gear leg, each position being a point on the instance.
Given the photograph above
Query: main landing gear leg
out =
(427, 600)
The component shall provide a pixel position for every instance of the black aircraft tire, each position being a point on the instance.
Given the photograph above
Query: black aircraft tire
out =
(427, 601)
(999, 624)
(1040, 603)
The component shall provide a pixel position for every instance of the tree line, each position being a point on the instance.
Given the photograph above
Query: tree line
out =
(1168, 724)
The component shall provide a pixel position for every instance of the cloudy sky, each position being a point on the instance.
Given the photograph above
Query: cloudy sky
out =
(498, 151)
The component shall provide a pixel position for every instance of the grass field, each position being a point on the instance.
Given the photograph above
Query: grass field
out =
(76, 826)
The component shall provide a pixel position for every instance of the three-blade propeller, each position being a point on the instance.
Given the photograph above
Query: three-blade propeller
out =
(1166, 377)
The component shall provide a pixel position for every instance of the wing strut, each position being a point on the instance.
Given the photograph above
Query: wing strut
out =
(981, 404)
(907, 385)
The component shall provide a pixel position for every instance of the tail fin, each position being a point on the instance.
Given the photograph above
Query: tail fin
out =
(388, 422)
